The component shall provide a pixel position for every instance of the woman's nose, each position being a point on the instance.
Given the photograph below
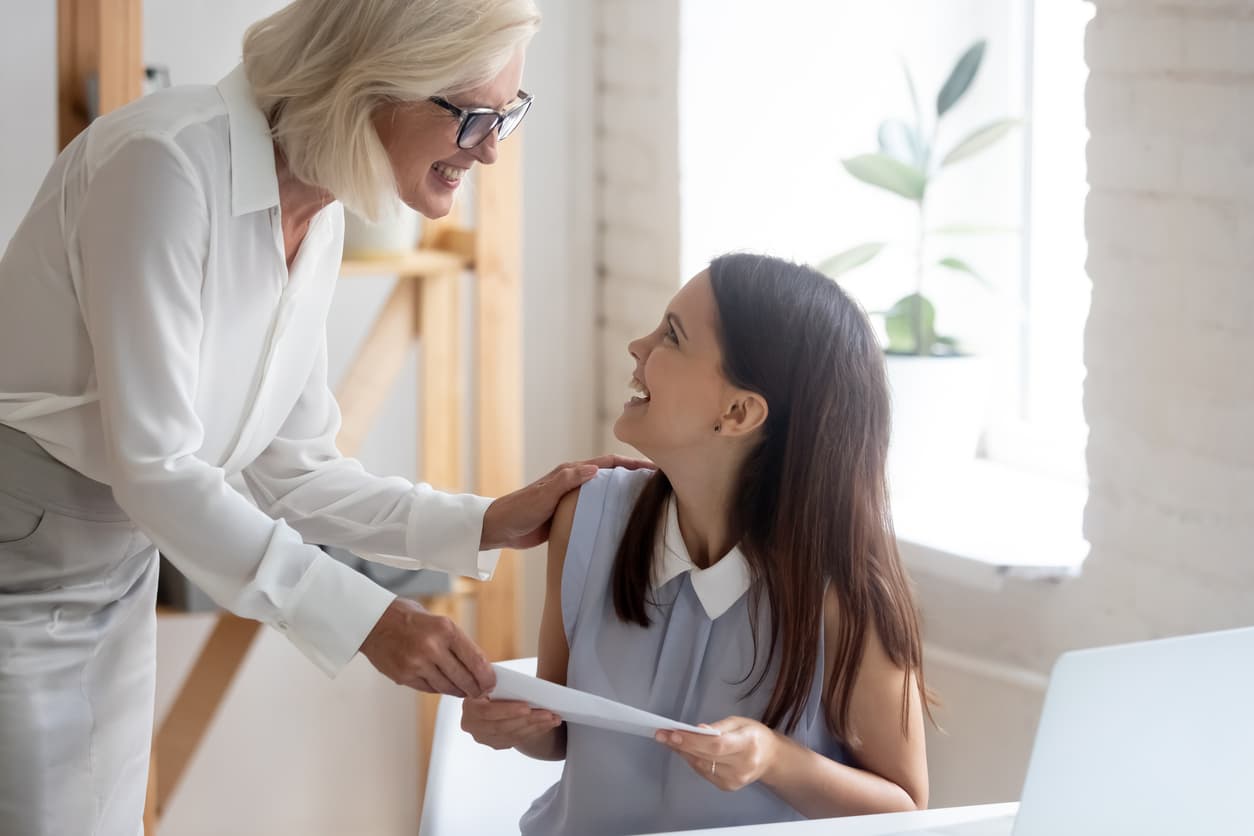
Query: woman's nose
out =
(637, 349)
(486, 151)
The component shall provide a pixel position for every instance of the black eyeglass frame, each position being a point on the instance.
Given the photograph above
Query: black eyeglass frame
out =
(466, 115)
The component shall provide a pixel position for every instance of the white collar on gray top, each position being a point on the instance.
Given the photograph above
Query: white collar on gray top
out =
(718, 586)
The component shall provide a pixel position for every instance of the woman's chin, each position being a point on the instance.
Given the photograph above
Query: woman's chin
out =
(621, 432)
(429, 205)
(626, 431)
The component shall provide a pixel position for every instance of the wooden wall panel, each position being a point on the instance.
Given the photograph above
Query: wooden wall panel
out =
(100, 38)
(498, 265)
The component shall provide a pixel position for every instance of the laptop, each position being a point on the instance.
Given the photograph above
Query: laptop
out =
(1153, 738)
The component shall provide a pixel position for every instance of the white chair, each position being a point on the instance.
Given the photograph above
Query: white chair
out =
(474, 789)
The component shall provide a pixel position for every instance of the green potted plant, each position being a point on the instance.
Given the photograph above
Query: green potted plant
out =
(926, 366)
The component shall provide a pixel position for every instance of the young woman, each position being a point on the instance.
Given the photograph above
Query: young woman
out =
(752, 582)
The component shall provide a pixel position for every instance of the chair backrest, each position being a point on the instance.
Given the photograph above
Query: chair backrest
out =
(475, 789)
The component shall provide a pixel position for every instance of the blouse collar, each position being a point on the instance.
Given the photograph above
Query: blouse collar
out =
(254, 180)
(717, 586)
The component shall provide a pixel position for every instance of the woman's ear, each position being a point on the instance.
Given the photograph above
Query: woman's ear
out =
(744, 415)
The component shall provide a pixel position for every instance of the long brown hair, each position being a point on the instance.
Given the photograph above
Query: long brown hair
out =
(810, 509)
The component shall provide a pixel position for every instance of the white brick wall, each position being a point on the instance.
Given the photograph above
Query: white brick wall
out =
(637, 183)
(1170, 391)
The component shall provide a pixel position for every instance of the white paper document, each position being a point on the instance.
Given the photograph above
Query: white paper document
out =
(579, 707)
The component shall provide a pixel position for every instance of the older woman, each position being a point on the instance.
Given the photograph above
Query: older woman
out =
(162, 312)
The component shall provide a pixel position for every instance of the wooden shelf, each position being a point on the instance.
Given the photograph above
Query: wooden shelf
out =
(413, 265)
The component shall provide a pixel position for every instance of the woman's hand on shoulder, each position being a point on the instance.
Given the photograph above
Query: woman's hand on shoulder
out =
(521, 519)
(742, 754)
(504, 724)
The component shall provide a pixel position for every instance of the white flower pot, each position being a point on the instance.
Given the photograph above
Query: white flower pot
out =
(940, 405)
(395, 233)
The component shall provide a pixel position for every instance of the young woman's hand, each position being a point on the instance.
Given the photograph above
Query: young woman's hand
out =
(742, 754)
(504, 724)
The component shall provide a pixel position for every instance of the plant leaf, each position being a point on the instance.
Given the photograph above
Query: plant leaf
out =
(961, 266)
(914, 98)
(979, 139)
(883, 171)
(974, 229)
(853, 257)
(960, 77)
(901, 142)
(899, 325)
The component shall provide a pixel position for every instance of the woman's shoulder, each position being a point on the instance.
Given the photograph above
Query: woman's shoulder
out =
(187, 121)
(611, 493)
(586, 529)
(622, 482)
(591, 518)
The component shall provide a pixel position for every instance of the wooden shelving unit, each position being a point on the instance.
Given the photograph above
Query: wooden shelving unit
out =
(103, 37)
(100, 39)
(419, 264)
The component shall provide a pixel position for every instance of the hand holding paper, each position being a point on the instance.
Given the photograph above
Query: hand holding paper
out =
(579, 707)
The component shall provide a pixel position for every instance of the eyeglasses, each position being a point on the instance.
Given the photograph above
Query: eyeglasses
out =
(477, 122)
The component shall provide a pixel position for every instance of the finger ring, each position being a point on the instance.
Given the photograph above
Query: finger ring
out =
(713, 765)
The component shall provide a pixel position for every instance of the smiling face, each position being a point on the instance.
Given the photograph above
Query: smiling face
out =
(421, 141)
(681, 394)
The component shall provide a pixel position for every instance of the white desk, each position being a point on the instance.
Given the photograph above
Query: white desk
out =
(879, 825)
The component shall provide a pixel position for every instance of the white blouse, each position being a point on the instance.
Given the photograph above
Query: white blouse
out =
(152, 338)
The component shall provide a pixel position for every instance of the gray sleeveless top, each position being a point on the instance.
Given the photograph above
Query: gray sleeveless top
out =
(689, 664)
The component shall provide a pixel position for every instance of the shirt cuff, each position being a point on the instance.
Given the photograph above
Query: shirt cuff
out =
(445, 530)
(335, 608)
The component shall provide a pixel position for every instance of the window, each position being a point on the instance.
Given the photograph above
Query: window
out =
(1039, 422)
(761, 141)
(773, 96)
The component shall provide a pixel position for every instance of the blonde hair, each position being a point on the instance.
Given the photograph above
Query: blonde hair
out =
(319, 68)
